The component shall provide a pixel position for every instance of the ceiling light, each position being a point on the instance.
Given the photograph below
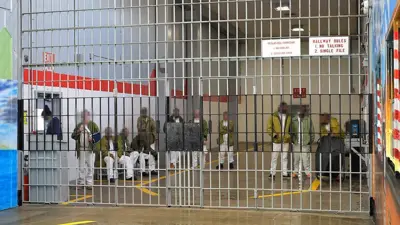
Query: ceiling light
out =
(282, 8)
(298, 28)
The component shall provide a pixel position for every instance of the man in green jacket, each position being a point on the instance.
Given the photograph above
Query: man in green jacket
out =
(110, 151)
(197, 154)
(129, 157)
(330, 126)
(278, 128)
(146, 126)
(85, 148)
(303, 135)
(225, 141)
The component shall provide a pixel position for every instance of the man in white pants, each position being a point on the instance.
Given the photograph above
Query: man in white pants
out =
(129, 157)
(146, 127)
(142, 150)
(278, 127)
(175, 156)
(302, 137)
(85, 148)
(225, 141)
(197, 154)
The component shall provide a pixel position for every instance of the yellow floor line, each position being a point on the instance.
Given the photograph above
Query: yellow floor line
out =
(77, 199)
(314, 186)
(144, 183)
(79, 222)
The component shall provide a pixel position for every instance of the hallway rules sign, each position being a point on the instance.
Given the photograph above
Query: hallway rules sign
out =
(328, 46)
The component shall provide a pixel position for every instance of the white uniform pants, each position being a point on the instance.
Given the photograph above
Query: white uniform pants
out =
(225, 149)
(86, 167)
(152, 162)
(127, 162)
(277, 148)
(197, 154)
(302, 159)
(175, 157)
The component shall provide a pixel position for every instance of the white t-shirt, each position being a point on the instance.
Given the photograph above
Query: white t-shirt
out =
(225, 124)
(328, 127)
(112, 150)
(84, 138)
(177, 120)
(300, 133)
(197, 120)
(283, 121)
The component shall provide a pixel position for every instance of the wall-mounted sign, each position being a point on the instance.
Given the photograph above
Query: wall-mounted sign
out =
(299, 92)
(49, 58)
(327, 46)
(280, 48)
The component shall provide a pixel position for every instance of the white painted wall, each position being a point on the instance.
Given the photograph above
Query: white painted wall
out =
(318, 75)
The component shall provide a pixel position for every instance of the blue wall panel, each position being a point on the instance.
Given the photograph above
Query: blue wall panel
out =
(8, 179)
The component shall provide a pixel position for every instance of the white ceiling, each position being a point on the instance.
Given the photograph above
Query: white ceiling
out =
(262, 20)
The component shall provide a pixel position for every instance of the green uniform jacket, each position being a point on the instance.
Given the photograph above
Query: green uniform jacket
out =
(307, 132)
(124, 143)
(105, 149)
(274, 128)
(335, 129)
(76, 136)
(226, 130)
(147, 125)
(205, 129)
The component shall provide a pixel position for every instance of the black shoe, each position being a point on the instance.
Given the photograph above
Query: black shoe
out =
(286, 176)
(145, 174)
(112, 180)
(231, 166)
(130, 178)
(220, 166)
(272, 177)
(154, 173)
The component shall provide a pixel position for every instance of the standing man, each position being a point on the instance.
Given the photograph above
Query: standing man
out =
(278, 127)
(147, 129)
(175, 118)
(302, 137)
(197, 154)
(85, 148)
(110, 151)
(225, 141)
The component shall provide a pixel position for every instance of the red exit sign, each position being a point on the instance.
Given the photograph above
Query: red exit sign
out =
(299, 92)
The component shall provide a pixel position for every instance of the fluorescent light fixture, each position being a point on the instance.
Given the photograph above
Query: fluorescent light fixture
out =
(298, 28)
(282, 8)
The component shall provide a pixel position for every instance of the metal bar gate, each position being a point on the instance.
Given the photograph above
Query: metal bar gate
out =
(214, 104)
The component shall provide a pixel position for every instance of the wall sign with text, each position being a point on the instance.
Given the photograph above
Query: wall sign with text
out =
(299, 92)
(280, 48)
(328, 46)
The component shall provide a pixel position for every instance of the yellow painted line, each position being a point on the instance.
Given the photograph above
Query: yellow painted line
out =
(77, 199)
(79, 222)
(314, 186)
(147, 191)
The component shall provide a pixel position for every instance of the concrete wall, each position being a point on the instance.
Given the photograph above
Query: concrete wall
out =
(319, 75)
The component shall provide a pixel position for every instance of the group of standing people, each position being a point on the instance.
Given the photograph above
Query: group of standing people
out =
(298, 132)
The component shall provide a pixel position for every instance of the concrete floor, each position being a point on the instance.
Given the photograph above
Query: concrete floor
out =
(247, 186)
(53, 215)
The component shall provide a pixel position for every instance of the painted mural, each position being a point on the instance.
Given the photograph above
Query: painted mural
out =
(8, 114)
(8, 143)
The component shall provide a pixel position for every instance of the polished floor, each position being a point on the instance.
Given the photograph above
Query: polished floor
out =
(246, 186)
(53, 215)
